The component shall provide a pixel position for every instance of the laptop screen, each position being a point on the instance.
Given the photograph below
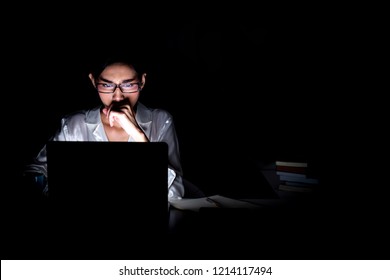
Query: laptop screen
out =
(106, 168)
(102, 186)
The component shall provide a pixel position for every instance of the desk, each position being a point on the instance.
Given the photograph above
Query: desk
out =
(321, 229)
(266, 233)
(208, 234)
(284, 232)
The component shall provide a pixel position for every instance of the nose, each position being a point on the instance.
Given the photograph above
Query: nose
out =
(117, 95)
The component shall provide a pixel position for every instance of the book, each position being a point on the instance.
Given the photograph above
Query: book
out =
(299, 184)
(283, 173)
(293, 169)
(291, 163)
(283, 187)
(299, 179)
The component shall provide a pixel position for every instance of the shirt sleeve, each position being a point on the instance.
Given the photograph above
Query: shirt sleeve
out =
(167, 134)
(38, 168)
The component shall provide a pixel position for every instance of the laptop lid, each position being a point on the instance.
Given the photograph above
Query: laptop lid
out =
(105, 187)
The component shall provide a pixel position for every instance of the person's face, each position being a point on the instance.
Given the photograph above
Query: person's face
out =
(115, 75)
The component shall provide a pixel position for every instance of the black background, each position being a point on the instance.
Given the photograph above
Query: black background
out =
(244, 84)
(241, 85)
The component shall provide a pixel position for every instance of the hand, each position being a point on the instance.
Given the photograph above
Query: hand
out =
(123, 114)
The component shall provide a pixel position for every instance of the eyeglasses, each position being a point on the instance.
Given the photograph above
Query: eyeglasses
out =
(124, 87)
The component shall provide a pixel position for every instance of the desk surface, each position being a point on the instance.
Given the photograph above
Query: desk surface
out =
(213, 233)
(314, 230)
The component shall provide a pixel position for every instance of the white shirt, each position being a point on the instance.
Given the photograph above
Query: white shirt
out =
(86, 125)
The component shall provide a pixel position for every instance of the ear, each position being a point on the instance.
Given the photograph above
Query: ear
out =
(143, 80)
(92, 79)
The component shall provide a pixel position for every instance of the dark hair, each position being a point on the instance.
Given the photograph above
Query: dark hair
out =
(99, 65)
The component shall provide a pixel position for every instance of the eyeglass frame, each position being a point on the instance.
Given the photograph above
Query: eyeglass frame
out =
(118, 86)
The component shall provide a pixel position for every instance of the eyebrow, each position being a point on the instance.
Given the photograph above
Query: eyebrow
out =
(124, 81)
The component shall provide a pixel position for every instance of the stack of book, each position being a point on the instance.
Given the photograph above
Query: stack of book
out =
(294, 176)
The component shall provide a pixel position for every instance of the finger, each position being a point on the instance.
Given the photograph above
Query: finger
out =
(111, 120)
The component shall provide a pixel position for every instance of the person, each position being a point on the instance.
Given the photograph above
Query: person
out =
(119, 117)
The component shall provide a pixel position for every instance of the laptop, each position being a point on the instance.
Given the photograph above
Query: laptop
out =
(107, 190)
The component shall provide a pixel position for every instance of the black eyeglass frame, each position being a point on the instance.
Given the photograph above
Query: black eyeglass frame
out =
(118, 86)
